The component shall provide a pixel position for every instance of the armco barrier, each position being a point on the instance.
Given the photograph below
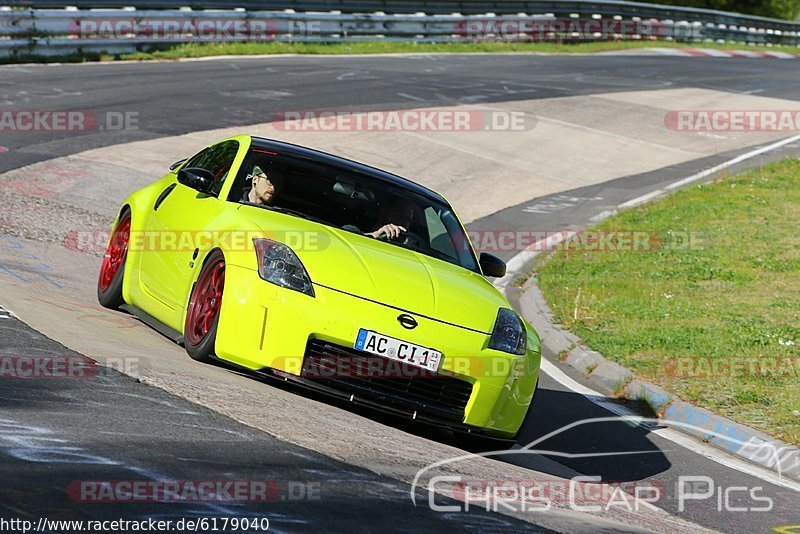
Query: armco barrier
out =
(62, 31)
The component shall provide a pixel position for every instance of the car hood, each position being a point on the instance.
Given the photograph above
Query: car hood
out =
(387, 274)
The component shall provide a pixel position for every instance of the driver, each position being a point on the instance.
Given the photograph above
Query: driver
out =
(397, 219)
(263, 189)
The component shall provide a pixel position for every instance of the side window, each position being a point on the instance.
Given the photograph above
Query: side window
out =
(448, 238)
(218, 160)
(439, 236)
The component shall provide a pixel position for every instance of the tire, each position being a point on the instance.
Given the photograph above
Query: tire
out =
(202, 312)
(112, 271)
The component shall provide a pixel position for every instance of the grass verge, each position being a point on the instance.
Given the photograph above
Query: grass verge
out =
(708, 304)
(195, 50)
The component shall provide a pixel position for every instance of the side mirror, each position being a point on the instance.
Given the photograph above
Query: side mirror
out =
(196, 178)
(177, 164)
(492, 265)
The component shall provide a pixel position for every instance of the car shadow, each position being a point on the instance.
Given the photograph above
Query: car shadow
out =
(615, 450)
(589, 439)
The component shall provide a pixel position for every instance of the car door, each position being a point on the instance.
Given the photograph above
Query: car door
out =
(179, 220)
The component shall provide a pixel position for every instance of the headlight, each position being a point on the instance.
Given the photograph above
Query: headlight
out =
(278, 264)
(509, 334)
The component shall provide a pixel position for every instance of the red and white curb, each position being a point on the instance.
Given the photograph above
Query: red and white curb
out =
(713, 52)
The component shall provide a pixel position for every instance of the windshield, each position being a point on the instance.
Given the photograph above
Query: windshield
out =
(355, 202)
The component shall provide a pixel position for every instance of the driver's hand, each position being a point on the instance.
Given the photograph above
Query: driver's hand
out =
(392, 231)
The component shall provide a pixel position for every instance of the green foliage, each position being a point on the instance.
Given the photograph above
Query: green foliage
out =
(730, 293)
(781, 9)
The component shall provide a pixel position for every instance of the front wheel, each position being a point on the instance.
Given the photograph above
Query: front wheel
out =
(109, 284)
(202, 313)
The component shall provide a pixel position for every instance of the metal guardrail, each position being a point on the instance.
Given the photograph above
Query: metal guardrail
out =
(49, 32)
(431, 7)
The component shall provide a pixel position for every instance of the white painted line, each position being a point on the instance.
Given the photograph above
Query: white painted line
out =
(734, 161)
(641, 200)
(604, 133)
(692, 444)
(602, 215)
(722, 458)
(595, 397)
(411, 97)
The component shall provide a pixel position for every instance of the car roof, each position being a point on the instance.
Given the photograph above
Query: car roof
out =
(323, 157)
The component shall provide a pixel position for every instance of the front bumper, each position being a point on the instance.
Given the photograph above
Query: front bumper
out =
(264, 327)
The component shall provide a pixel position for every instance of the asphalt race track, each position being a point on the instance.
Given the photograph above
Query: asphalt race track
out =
(165, 434)
(113, 427)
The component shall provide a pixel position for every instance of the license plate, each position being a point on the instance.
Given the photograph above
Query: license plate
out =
(396, 349)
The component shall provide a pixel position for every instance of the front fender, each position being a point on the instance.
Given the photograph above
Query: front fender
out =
(141, 204)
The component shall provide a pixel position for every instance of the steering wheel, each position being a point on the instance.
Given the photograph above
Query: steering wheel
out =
(406, 238)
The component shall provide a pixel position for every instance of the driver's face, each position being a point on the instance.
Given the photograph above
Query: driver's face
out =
(265, 190)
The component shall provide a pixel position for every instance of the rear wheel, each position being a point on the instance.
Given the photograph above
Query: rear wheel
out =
(109, 284)
(202, 313)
